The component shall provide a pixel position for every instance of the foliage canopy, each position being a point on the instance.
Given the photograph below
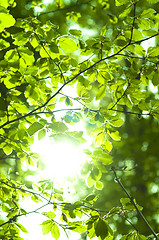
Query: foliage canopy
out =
(113, 76)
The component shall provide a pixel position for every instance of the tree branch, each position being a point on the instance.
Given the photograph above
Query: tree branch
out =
(72, 79)
(120, 97)
(132, 28)
(128, 221)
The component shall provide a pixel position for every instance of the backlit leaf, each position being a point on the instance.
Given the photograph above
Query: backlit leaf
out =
(90, 181)
(36, 126)
(99, 139)
(127, 204)
(21, 227)
(41, 134)
(7, 149)
(55, 231)
(58, 127)
(116, 123)
(51, 214)
(6, 21)
(101, 92)
(153, 51)
(67, 44)
(114, 135)
(46, 226)
(99, 185)
(108, 145)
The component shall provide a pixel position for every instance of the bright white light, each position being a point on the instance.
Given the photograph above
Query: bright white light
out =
(153, 88)
(47, 1)
(148, 43)
(61, 160)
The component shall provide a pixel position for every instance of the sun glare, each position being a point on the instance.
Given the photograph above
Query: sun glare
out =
(60, 160)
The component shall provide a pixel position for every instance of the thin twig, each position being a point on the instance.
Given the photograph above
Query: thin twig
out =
(128, 221)
(24, 190)
(133, 113)
(134, 204)
(132, 28)
(120, 97)
(40, 42)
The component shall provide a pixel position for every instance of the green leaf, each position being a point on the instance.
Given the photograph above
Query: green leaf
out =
(7, 149)
(146, 24)
(36, 126)
(137, 35)
(55, 231)
(51, 214)
(21, 38)
(63, 218)
(99, 185)
(155, 79)
(92, 77)
(108, 145)
(144, 106)
(114, 135)
(103, 77)
(103, 31)
(126, 12)
(155, 113)
(68, 102)
(140, 50)
(4, 44)
(121, 41)
(4, 3)
(101, 229)
(75, 32)
(21, 227)
(112, 18)
(6, 20)
(90, 197)
(102, 156)
(58, 127)
(127, 204)
(101, 92)
(90, 181)
(67, 44)
(155, 103)
(153, 51)
(141, 237)
(99, 139)
(54, 48)
(2, 104)
(41, 134)
(26, 55)
(76, 226)
(117, 122)
(148, 13)
(149, 33)
(46, 226)
(114, 210)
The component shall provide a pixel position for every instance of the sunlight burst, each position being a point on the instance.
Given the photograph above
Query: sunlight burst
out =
(60, 160)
